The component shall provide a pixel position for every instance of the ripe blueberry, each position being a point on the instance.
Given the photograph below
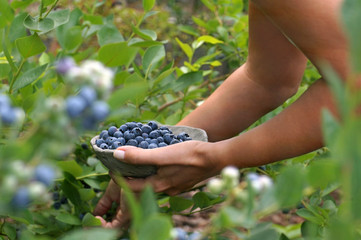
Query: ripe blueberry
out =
(139, 139)
(123, 128)
(45, 174)
(132, 142)
(88, 94)
(137, 131)
(75, 105)
(112, 130)
(162, 144)
(174, 141)
(116, 144)
(100, 110)
(21, 198)
(146, 129)
(152, 145)
(128, 135)
(131, 125)
(104, 146)
(102, 133)
(153, 125)
(118, 134)
(154, 134)
(143, 144)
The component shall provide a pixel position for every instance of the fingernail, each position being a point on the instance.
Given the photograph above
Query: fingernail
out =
(119, 154)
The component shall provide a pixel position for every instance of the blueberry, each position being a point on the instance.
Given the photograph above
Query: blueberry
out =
(123, 128)
(81, 216)
(132, 142)
(143, 144)
(182, 136)
(7, 114)
(148, 140)
(118, 134)
(105, 136)
(162, 144)
(100, 110)
(75, 106)
(64, 65)
(128, 135)
(168, 138)
(154, 134)
(45, 174)
(164, 128)
(21, 198)
(139, 139)
(160, 139)
(152, 145)
(153, 125)
(154, 141)
(145, 135)
(181, 234)
(121, 140)
(88, 94)
(112, 130)
(4, 101)
(110, 140)
(137, 131)
(63, 200)
(57, 205)
(104, 146)
(56, 196)
(98, 142)
(163, 132)
(188, 139)
(131, 125)
(174, 141)
(195, 236)
(116, 144)
(146, 129)
(139, 124)
(102, 133)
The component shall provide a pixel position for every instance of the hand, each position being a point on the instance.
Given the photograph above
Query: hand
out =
(112, 194)
(180, 166)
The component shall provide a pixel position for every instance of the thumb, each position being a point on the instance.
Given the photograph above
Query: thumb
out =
(134, 155)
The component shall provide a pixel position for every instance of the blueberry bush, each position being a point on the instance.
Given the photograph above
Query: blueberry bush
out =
(69, 70)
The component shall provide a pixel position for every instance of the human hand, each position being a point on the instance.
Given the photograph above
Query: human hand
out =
(112, 194)
(180, 166)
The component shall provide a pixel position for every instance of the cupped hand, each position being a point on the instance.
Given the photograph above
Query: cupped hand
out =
(180, 166)
(112, 194)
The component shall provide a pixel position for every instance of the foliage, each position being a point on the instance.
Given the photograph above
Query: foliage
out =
(148, 82)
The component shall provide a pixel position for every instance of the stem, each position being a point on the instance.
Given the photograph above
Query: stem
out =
(47, 13)
(7, 54)
(16, 75)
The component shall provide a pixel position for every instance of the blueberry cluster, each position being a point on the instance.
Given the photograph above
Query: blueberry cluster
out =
(86, 107)
(42, 178)
(8, 114)
(146, 136)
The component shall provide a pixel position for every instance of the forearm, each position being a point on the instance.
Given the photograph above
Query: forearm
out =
(295, 131)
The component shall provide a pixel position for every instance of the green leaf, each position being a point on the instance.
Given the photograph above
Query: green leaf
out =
(71, 167)
(211, 6)
(149, 14)
(137, 42)
(323, 172)
(47, 2)
(86, 194)
(117, 54)
(189, 30)
(186, 49)
(62, 31)
(283, 186)
(179, 204)
(134, 90)
(308, 215)
(30, 45)
(29, 77)
(34, 24)
(330, 127)
(59, 17)
(9, 230)
(187, 80)
(109, 34)
(156, 227)
(145, 33)
(6, 13)
(351, 15)
(90, 221)
(68, 218)
(209, 39)
(152, 56)
(73, 38)
(17, 29)
(71, 192)
(91, 234)
(201, 200)
(148, 203)
(148, 5)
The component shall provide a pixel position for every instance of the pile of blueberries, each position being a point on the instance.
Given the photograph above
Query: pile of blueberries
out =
(86, 107)
(8, 114)
(146, 136)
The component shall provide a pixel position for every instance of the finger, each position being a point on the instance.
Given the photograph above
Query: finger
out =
(112, 194)
(158, 156)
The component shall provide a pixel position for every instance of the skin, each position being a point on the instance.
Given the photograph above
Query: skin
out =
(282, 36)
